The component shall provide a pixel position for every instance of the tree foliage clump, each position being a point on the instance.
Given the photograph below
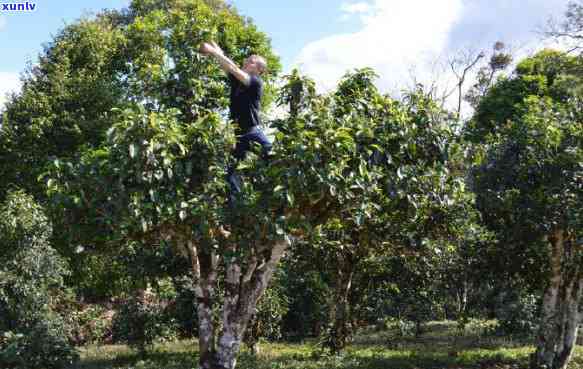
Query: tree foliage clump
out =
(96, 69)
(142, 321)
(398, 199)
(147, 53)
(529, 188)
(548, 74)
(32, 333)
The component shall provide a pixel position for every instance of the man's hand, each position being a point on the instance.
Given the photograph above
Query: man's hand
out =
(217, 48)
(206, 48)
(210, 48)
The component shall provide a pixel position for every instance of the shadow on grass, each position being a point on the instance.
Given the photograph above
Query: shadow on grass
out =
(441, 337)
(154, 359)
(386, 359)
(438, 348)
(180, 355)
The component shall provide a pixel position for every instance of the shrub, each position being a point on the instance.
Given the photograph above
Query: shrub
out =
(406, 328)
(31, 277)
(268, 319)
(307, 308)
(42, 345)
(182, 309)
(517, 314)
(142, 321)
(89, 324)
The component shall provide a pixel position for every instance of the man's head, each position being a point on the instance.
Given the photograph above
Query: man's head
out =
(255, 64)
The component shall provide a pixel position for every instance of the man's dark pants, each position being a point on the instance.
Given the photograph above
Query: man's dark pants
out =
(255, 134)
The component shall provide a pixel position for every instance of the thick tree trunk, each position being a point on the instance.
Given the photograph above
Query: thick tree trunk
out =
(340, 308)
(242, 292)
(560, 310)
(243, 288)
(205, 275)
(233, 328)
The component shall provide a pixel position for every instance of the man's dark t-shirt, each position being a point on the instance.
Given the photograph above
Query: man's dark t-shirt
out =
(245, 102)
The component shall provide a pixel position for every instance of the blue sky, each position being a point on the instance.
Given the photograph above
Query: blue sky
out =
(22, 34)
(325, 38)
(290, 24)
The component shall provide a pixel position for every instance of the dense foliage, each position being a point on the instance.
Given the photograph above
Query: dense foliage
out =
(529, 181)
(32, 333)
(96, 69)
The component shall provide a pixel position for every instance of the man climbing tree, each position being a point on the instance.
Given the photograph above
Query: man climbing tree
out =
(245, 100)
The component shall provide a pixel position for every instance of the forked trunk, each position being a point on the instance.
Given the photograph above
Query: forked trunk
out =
(560, 312)
(243, 288)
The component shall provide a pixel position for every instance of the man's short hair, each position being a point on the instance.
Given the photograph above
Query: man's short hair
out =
(261, 61)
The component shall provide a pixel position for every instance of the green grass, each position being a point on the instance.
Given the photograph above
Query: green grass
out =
(440, 347)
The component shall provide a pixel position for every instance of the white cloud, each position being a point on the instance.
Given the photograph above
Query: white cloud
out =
(395, 34)
(9, 82)
(515, 21)
(398, 36)
(350, 9)
(2, 22)
(356, 8)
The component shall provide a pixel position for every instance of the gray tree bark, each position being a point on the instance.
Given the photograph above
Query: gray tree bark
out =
(245, 282)
(204, 268)
(560, 311)
(340, 306)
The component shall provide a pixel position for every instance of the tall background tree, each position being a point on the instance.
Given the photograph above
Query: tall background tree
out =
(529, 188)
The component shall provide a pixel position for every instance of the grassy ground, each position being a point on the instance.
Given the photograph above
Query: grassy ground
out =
(440, 347)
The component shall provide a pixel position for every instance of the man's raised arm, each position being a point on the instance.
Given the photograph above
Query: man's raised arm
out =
(226, 64)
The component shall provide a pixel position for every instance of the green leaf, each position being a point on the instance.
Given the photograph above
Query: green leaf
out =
(278, 188)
